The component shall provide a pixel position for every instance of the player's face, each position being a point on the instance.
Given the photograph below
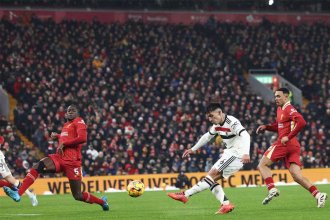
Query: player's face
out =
(71, 113)
(215, 117)
(280, 98)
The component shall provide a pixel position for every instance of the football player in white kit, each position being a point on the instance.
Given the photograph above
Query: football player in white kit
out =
(6, 174)
(237, 142)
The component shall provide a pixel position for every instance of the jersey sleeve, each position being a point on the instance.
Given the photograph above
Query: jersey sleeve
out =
(298, 122)
(236, 126)
(81, 130)
(202, 141)
(212, 130)
(80, 125)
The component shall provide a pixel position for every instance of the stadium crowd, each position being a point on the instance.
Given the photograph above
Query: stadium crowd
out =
(142, 88)
(192, 5)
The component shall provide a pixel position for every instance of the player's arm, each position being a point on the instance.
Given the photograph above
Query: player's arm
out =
(245, 139)
(272, 127)
(81, 136)
(201, 142)
(268, 127)
(299, 124)
(54, 135)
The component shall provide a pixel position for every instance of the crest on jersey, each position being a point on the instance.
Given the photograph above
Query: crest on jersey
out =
(293, 111)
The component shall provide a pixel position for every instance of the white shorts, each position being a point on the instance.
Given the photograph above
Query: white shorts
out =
(4, 170)
(228, 165)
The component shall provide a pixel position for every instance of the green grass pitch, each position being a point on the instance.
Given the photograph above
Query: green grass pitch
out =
(294, 203)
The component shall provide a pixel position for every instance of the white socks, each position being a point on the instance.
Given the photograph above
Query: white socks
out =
(220, 194)
(215, 188)
(29, 193)
(199, 187)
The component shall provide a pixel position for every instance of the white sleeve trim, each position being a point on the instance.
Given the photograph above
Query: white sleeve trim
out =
(212, 130)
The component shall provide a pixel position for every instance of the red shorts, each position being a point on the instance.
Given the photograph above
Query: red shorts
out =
(288, 153)
(72, 169)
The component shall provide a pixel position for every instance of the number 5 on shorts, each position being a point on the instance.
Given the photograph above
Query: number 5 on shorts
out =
(77, 171)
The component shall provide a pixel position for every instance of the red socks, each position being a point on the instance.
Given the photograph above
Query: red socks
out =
(28, 181)
(313, 190)
(89, 198)
(269, 183)
(5, 183)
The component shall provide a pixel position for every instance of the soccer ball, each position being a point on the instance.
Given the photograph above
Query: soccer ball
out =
(135, 188)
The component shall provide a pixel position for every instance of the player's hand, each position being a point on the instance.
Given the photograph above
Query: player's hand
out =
(261, 129)
(53, 135)
(187, 153)
(284, 140)
(245, 158)
(60, 149)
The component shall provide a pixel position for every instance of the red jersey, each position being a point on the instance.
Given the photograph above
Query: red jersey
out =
(288, 123)
(73, 135)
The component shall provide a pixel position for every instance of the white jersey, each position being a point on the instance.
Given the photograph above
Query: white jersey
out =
(230, 132)
(235, 138)
(4, 170)
(2, 156)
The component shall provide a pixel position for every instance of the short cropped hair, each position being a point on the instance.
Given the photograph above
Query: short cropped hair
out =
(212, 107)
(284, 90)
(73, 106)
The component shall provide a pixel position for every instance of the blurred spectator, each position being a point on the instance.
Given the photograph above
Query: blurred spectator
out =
(92, 152)
(195, 5)
(182, 181)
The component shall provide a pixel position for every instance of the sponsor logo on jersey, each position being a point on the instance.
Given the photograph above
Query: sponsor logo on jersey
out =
(64, 134)
(234, 125)
(222, 129)
(280, 125)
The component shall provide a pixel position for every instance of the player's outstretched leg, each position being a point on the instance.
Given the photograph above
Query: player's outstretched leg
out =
(199, 187)
(272, 193)
(89, 198)
(179, 196)
(5, 183)
(75, 186)
(321, 198)
(12, 193)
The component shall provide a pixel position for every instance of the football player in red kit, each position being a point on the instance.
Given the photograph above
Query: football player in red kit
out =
(67, 159)
(287, 148)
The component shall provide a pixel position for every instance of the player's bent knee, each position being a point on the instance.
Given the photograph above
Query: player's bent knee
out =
(40, 167)
(78, 196)
(264, 163)
(35, 166)
(214, 173)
